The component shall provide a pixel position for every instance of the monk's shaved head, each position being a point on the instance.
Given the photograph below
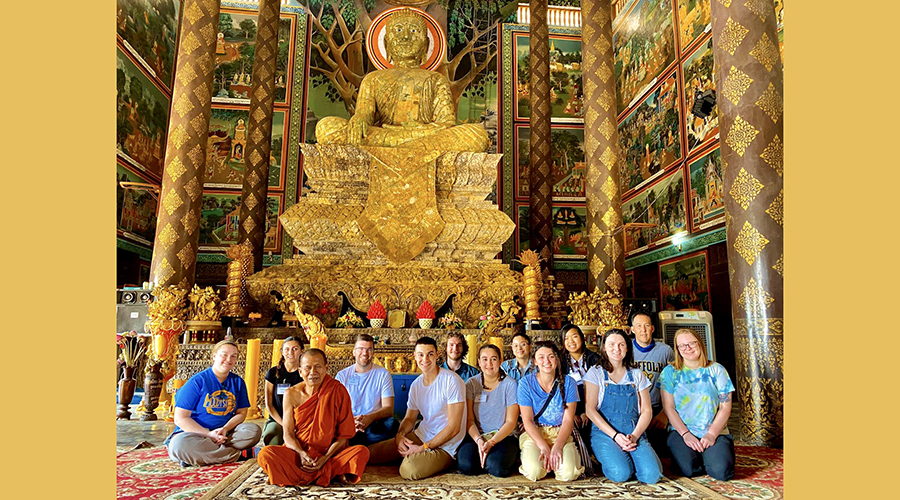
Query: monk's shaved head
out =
(314, 352)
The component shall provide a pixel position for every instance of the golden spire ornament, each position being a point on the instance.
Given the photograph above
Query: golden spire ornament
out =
(533, 284)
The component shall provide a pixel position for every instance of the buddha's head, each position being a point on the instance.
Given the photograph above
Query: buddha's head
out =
(406, 38)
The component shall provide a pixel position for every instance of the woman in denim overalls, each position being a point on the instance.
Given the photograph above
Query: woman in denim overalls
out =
(617, 400)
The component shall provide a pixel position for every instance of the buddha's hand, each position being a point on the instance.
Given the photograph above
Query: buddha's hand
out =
(357, 128)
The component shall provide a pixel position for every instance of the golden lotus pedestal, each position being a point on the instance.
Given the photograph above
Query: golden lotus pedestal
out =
(384, 223)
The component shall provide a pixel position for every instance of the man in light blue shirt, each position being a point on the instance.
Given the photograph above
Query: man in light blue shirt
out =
(371, 393)
(521, 364)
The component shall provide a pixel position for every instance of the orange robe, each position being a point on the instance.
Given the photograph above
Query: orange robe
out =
(318, 422)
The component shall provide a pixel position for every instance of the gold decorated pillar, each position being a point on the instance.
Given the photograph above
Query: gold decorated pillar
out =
(540, 176)
(606, 259)
(175, 244)
(252, 227)
(750, 75)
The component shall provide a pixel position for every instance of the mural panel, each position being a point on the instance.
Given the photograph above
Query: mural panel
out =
(649, 137)
(135, 208)
(219, 221)
(226, 143)
(569, 238)
(693, 17)
(235, 49)
(662, 203)
(567, 154)
(644, 46)
(707, 191)
(523, 230)
(523, 161)
(684, 282)
(566, 94)
(698, 78)
(142, 114)
(150, 28)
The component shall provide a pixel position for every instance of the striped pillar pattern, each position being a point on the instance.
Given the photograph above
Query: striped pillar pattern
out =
(606, 239)
(750, 77)
(540, 174)
(175, 244)
(252, 227)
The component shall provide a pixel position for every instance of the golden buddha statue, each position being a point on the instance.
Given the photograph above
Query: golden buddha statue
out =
(406, 105)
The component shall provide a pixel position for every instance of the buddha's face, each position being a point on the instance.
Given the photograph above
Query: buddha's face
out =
(406, 38)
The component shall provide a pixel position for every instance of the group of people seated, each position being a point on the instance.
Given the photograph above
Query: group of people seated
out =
(544, 411)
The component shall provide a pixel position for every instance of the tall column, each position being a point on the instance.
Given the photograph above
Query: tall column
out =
(606, 239)
(175, 244)
(749, 75)
(259, 133)
(540, 175)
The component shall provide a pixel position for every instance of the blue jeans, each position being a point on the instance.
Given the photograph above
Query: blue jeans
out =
(717, 460)
(618, 466)
(376, 432)
(500, 461)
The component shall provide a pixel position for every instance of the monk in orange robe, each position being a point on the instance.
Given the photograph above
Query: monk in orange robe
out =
(318, 423)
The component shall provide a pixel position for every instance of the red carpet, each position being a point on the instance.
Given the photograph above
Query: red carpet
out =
(149, 473)
(758, 475)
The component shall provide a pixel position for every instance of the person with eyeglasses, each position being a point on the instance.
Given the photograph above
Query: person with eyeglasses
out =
(696, 396)
(279, 379)
(372, 393)
(651, 357)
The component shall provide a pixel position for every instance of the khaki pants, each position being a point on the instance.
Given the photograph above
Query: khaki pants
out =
(197, 449)
(417, 466)
(533, 467)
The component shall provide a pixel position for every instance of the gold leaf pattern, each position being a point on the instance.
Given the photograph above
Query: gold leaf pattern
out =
(212, 4)
(206, 63)
(251, 201)
(253, 178)
(164, 272)
(183, 105)
(208, 33)
(190, 43)
(171, 202)
(260, 93)
(590, 145)
(589, 86)
(175, 169)
(605, 100)
(601, 16)
(179, 137)
(255, 158)
(609, 188)
(608, 158)
(595, 235)
(760, 7)
(779, 266)
(202, 93)
(755, 299)
(765, 52)
(199, 123)
(193, 13)
(736, 83)
(249, 225)
(196, 156)
(776, 209)
(590, 117)
(613, 249)
(726, 3)
(774, 156)
(259, 115)
(602, 44)
(167, 236)
(771, 103)
(750, 243)
(596, 266)
(732, 36)
(256, 136)
(193, 189)
(186, 256)
(607, 128)
(740, 135)
(187, 74)
(588, 32)
(593, 174)
(745, 188)
(614, 280)
(603, 72)
(189, 221)
(612, 218)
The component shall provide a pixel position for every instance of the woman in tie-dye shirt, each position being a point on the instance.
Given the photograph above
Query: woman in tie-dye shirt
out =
(696, 396)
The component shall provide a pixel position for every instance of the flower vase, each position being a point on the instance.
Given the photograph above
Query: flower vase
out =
(126, 391)
(153, 385)
(425, 323)
(376, 322)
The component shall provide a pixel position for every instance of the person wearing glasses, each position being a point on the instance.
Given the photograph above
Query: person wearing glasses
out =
(651, 357)
(372, 394)
(696, 396)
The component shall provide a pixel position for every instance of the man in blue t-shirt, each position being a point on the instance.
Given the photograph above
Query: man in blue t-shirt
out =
(372, 394)
(651, 357)
(209, 414)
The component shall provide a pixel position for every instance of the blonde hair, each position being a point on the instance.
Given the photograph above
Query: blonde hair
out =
(679, 360)
(224, 343)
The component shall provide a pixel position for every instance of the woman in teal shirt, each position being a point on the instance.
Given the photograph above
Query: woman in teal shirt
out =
(696, 396)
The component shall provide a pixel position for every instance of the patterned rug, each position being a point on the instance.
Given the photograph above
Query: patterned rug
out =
(150, 474)
(382, 482)
(758, 475)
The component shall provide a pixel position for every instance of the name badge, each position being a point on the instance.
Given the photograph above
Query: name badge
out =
(482, 398)
(576, 376)
(281, 388)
